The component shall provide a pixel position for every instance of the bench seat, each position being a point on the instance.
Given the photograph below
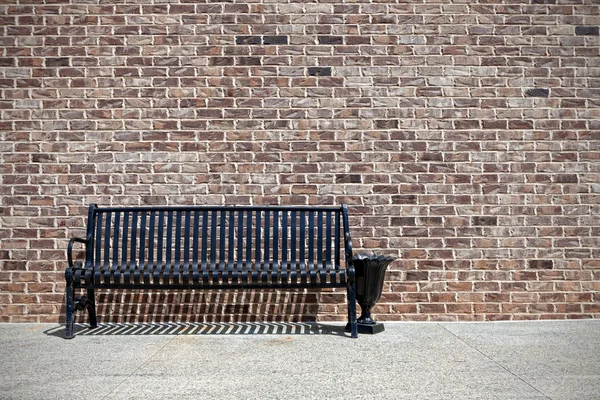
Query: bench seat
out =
(186, 277)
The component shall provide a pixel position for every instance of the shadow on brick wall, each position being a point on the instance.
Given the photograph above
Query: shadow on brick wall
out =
(158, 306)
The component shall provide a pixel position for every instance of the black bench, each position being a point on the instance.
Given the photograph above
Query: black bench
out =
(219, 247)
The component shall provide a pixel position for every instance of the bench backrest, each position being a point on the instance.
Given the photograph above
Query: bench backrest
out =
(217, 238)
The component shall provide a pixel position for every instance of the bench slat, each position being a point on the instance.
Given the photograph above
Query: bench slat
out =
(124, 244)
(222, 238)
(337, 241)
(151, 241)
(276, 239)
(132, 249)
(176, 264)
(138, 275)
(159, 246)
(115, 247)
(195, 273)
(168, 247)
(301, 243)
(319, 239)
(328, 242)
(257, 236)
(186, 246)
(275, 258)
(204, 259)
(248, 259)
(240, 243)
(213, 240)
(267, 255)
(98, 248)
(314, 265)
(98, 239)
(230, 240)
(293, 272)
(106, 238)
(284, 241)
(134, 231)
(311, 240)
(167, 242)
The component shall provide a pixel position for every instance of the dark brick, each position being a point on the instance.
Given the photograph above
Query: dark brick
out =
(386, 124)
(275, 40)
(248, 40)
(429, 92)
(166, 61)
(331, 40)
(541, 264)
(319, 71)
(347, 178)
(430, 156)
(57, 62)
(14, 265)
(247, 61)
(417, 275)
(467, 124)
(110, 103)
(227, 61)
(485, 221)
(403, 221)
(520, 124)
(354, 40)
(404, 199)
(430, 221)
(535, 30)
(587, 30)
(7, 62)
(537, 92)
(382, 189)
(566, 178)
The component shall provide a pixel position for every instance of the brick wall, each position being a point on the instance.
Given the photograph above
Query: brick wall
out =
(463, 134)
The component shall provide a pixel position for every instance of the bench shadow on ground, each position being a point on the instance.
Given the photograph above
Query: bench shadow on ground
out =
(202, 328)
(266, 312)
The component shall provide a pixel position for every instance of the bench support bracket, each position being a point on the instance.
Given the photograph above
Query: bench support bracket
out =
(74, 304)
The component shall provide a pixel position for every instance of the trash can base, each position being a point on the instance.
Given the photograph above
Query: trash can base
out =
(371, 329)
(368, 329)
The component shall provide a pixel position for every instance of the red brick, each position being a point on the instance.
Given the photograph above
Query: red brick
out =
(432, 308)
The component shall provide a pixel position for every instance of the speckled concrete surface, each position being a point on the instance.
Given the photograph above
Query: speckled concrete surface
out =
(500, 360)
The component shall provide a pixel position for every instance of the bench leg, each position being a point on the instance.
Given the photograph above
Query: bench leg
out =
(91, 307)
(352, 309)
(70, 307)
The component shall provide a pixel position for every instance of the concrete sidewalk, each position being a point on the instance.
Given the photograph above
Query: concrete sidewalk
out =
(502, 360)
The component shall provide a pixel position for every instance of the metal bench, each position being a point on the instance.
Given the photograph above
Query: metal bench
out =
(208, 247)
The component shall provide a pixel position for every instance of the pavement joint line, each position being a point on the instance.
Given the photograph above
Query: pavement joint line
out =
(167, 342)
(495, 362)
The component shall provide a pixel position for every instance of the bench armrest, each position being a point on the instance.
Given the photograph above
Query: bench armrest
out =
(70, 249)
(348, 244)
(349, 255)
